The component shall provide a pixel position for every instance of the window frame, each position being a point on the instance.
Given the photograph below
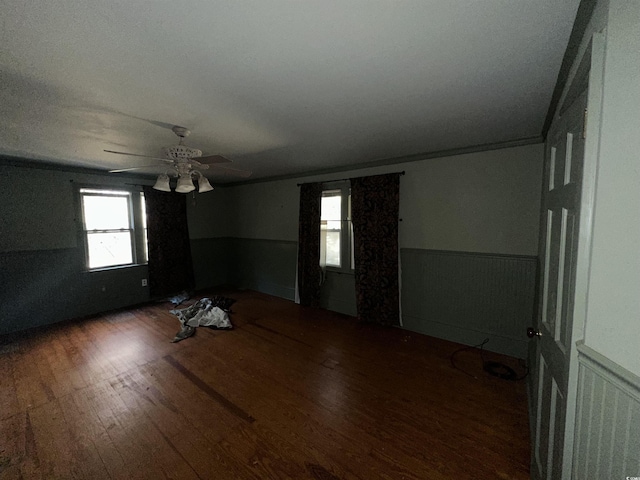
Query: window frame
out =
(346, 226)
(137, 223)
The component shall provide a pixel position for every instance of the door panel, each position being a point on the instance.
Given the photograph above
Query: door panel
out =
(559, 221)
(550, 420)
(568, 252)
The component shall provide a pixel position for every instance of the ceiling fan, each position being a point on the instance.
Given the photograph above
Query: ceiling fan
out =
(184, 163)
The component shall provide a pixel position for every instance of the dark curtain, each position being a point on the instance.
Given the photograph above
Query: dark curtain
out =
(309, 273)
(375, 204)
(170, 266)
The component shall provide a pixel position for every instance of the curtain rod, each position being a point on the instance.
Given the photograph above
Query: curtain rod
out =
(139, 184)
(343, 179)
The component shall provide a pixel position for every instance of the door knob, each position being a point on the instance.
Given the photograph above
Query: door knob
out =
(532, 332)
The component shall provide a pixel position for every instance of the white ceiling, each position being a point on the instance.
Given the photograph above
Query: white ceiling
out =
(279, 86)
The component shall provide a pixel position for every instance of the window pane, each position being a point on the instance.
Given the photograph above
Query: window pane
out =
(353, 250)
(144, 210)
(145, 255)
(145, 258)
(331, 206)
(330, 228)
(107, 249)
(105, 212)
(329, 246)
(332, 248)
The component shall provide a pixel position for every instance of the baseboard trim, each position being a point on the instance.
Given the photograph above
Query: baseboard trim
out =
(465, 253)
(499, 344)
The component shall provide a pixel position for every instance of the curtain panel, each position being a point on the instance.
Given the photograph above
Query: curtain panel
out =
(170, 265)
(375, 204)
(309, 272)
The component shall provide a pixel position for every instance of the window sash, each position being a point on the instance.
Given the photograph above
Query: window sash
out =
(93, 218)
(102, 247)
(341, 225)
(136, 218)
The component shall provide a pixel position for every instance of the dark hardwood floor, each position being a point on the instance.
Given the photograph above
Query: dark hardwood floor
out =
(289, 393)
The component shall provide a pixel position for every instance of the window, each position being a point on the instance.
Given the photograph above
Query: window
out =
(114, 227)
(336, 230)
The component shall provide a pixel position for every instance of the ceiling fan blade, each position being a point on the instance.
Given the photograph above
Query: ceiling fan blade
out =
(213, 159)
(194, 161)
(118, 170)
(230, 171)
(138, 155)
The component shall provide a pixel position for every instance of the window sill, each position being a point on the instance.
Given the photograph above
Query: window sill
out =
(115, 267)
(339, 271)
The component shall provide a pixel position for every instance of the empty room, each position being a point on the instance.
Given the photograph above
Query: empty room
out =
(320, 240)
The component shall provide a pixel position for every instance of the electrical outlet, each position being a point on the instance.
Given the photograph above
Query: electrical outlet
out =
(144, 282)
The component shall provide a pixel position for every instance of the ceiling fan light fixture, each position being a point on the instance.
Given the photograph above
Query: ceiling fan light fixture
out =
(203, 184)
(162, 183)
(185, 184)
(183, 163)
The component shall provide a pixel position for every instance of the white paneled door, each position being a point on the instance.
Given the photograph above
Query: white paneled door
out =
(559, 233)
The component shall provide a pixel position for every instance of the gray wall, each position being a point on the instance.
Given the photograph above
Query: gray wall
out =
(608, 397)
(42, 274)
(477, 202)
(268, 266)
(209, 216)
(468, 297)
(220, 256)
(484, 205)
(246, 236)
(338, 293)
(613, 320)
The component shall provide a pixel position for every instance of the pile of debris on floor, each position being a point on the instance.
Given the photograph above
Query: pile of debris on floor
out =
(207, 312)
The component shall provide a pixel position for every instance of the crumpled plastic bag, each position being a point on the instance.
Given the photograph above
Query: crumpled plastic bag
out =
(179, 298)
(203, 313)
(185, 332)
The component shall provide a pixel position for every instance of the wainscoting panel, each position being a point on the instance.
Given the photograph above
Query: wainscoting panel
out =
(40, 287)
(608, 419)
(467, 297)
(211, 261)
(268, 266)
(338, 293)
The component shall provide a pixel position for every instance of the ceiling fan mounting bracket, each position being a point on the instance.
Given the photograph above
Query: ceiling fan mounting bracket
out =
(184, 168)
(182, 132)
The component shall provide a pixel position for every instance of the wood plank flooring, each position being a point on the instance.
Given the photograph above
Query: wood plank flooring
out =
(290, 393)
